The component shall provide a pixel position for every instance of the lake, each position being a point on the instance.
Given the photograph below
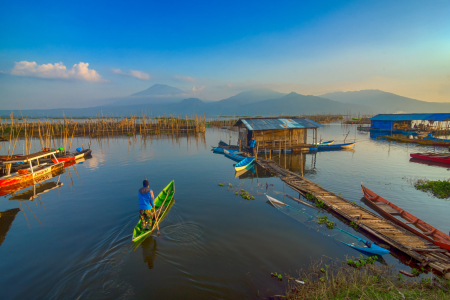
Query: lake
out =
(74, 241)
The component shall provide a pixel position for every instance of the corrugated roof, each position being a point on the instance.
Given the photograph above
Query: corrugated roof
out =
(412, 117)
(269, 124)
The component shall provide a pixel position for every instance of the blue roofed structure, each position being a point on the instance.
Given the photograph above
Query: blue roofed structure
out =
(411, 117)
(404, 122)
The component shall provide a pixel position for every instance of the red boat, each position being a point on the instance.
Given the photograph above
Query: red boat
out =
(436, 157)
(421, 228)
(72, 156)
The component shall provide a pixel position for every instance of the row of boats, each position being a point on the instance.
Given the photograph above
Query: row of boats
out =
(17, 169)
(425, 141)
(322, 146)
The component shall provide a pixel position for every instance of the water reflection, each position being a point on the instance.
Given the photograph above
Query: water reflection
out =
(6, 219)
(149, 251)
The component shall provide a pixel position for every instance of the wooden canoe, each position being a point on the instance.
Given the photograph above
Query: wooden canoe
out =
(421, 228)
(335, 146)
(244, 164)
(72, 156)
(233, 156)
(441, 158)
(165, 199)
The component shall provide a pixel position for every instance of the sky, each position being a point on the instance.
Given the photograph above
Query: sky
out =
(57, 54)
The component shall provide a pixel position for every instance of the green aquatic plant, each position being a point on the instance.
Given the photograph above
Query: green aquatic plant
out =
(236, 193)
(361, 261)
(440, 189)
(354, 225)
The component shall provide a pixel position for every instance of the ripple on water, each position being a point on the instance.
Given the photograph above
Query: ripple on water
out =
(183, 233)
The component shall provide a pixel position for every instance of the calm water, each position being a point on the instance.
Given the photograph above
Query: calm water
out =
(75, 240)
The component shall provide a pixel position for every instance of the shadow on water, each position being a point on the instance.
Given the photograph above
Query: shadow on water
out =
(6, 219)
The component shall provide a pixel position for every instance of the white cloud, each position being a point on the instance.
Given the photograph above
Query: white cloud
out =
(185, 78)
(198, 89)
(133, 73)
(79, 71)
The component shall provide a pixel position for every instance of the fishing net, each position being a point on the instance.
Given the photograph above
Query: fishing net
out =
(312, 222)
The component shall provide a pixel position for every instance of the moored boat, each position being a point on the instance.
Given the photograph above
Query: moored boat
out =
(246, 163)
(31, 172)
(335, 146)
(432, 138)
(72, 156)
(325, 143)
(233, 155)
(163, 203)
(392, 211)
(436, 157)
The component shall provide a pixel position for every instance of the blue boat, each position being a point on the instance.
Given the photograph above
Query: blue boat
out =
(363, 245)
(430, 137)
(222, 143)
(325, 143)
(232, 155)
(246, 163)
(220, 150)
(335, 146)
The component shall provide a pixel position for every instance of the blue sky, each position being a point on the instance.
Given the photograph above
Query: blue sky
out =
(213, 49)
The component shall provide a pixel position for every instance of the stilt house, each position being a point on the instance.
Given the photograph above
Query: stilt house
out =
(277, 133)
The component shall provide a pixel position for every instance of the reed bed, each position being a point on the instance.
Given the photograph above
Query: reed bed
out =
(339, 280)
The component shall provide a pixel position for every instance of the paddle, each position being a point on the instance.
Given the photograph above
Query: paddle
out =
(160, 209)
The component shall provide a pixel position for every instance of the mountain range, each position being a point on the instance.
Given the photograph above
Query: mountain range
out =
(166, 100)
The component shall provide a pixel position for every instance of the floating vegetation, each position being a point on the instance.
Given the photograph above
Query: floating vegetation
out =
(221, 184)
(276, 275)
(317, 202)
(354, 225)
(440, 189)
(357, 263)
(324, 220)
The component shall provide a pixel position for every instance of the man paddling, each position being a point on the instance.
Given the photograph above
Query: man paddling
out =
(146, 203)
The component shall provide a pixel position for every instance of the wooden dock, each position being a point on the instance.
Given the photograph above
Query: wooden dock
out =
(397, 237)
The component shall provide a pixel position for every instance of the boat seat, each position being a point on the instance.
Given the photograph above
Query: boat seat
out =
(387, 208)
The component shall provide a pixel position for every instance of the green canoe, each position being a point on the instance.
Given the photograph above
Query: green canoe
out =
(165, 198)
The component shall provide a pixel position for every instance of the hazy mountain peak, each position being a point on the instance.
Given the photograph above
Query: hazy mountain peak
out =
(159, 90)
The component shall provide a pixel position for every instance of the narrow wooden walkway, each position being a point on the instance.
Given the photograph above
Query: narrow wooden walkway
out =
(416, 247)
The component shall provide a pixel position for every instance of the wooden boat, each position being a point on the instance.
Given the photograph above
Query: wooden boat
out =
(233, 155)
(242, 172)
(436, 157)
(391, 211)
(335, 146)
(362, 245)
(222, 143)
(220, 149)
(30, 173)
(246, 163)
(325, 143)
(432, 138)
(163, 201)
(72, 156)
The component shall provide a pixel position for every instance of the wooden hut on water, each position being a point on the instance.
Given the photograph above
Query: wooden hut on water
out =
(283, 134)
